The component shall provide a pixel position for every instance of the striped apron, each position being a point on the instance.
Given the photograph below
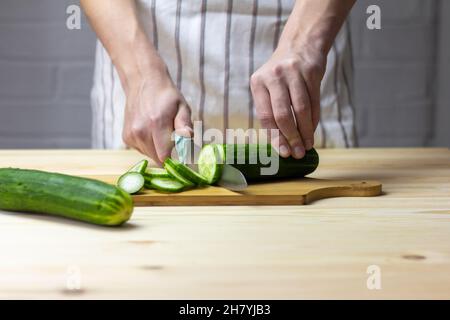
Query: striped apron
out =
(211, 48)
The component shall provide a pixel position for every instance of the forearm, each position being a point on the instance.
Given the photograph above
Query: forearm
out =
(314, 24)
(118, 28)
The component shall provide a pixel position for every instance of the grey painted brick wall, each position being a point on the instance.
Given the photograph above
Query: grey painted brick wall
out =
(395, 72)
(442, 107)
(46, 74)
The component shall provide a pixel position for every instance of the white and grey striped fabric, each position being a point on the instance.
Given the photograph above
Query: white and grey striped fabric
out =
(211, 48)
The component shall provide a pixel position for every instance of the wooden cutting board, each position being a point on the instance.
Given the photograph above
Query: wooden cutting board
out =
(294, 192)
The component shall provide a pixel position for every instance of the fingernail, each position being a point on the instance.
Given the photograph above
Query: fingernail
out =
(309, 144)
(284, 151)
(299, 152)
(184, 132)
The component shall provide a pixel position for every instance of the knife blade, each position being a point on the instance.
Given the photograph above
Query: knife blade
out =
(231, 179)
(182, 146)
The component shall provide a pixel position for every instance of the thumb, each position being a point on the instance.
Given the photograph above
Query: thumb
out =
(182, 122)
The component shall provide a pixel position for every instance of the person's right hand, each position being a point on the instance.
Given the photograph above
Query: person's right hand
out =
(155, 109)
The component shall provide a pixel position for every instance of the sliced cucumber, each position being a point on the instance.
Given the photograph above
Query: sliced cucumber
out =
(156, 173)
(139, 167)
(167, 184)
(152, 173)
(221, 151)
(148, 183)
(177, 176)
(131, 182)
(187, 172)
(210, 163)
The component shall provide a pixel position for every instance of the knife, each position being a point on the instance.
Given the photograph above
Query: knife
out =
(231, 179)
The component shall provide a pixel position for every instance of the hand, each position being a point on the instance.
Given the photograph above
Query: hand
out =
(286, 91)
(155, 109)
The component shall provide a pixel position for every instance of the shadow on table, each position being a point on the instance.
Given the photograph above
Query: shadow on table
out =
(128, 226)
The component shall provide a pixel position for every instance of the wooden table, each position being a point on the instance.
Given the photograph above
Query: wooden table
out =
(318, 251)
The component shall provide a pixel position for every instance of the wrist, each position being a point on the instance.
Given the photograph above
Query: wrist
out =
(136, 75)
(309, 50)
(313, 25)
(138, 62)
(311, 40)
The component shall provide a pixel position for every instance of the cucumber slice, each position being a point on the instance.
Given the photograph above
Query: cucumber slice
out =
(210, 163)
(177, 176)
(167, 184)
(221, 150)
(152, 173)
(187, 172)
(139, 167)
(157, 173)
(131, 182)
(148, 183)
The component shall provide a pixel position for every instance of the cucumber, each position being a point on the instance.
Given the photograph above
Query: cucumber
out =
(167, 184)
(187, 172)
(210, 163)
(147, 183)
(131, 182)
(63, 195)
(221, 150)
(176, 175)
(245, 158)
(151, 173)
(156, 173)
(139, 167)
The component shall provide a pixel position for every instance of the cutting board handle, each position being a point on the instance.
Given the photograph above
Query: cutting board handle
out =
(352, 189)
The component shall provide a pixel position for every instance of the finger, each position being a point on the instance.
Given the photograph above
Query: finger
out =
(140, 139)
(162, 130)
(314, 97)
(284, 118)
(264, 111)
(182, 122)
(279, 142)
(147, 147)
(302, 109)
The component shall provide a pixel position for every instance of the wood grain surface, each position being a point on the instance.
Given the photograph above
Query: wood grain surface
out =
(318, 251)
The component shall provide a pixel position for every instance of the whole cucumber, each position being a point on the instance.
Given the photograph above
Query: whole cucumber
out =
(247, 158)
(63, 195)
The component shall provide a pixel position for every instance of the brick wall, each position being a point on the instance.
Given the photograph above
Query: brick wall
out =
(46, 74)
(442, 107)
(395, 72)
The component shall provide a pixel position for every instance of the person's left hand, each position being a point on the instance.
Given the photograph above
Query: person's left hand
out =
(286, 91)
